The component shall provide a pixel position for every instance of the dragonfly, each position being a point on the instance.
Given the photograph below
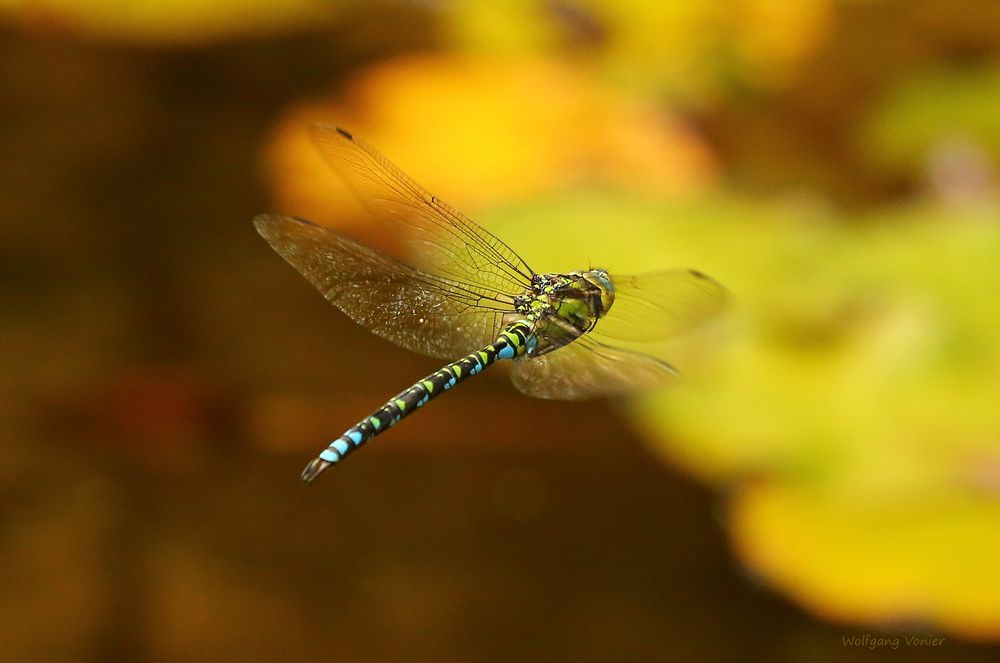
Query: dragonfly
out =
(448, 288)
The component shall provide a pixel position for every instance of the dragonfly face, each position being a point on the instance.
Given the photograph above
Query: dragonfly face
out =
(564, 307)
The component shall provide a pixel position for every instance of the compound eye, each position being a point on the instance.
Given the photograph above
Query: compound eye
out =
(602, 279)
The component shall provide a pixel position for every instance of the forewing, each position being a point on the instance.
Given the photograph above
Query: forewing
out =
(658, 305)
(439, 239)
(587, 369)
(416, 310)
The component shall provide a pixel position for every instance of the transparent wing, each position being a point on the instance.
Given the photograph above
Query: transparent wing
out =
(647, 307)
(439, 239)
(418, 311)
(657, 305)
(587, 368)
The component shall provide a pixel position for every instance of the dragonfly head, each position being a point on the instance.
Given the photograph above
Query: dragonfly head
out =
(579, 299)
(605, 290)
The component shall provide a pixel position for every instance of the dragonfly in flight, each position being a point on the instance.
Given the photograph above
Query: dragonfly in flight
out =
(456, 291)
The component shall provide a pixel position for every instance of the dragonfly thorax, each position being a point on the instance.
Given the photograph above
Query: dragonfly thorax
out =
(564, 307)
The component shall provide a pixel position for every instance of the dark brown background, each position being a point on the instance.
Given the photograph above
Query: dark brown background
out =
(145, 330)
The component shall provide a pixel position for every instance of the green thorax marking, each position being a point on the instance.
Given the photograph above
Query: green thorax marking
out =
(564, 307)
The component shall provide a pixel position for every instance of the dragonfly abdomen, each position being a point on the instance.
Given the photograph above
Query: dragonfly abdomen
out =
(512, 342)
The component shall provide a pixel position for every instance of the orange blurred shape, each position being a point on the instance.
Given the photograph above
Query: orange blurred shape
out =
(774, 39)
(178, 21)
(480, 131)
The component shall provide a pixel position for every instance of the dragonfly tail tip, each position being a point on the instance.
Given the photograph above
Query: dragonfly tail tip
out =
(313, 469)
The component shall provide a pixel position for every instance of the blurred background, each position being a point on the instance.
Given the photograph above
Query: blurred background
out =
(827, 469)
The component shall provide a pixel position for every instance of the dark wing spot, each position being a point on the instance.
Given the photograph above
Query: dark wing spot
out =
(344, 133)
(694, 272)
